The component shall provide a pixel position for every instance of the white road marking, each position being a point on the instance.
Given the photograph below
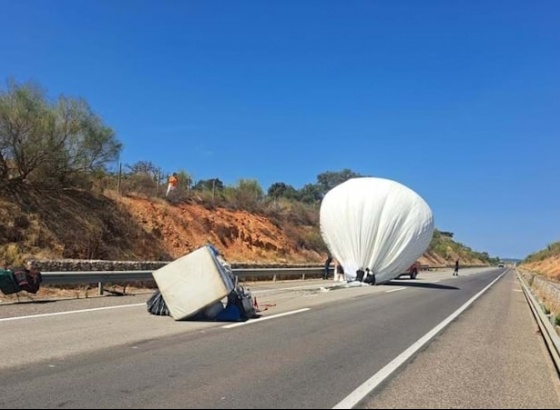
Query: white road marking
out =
(307, 287)
(394, 290)
(262, 319)
(10, 319)
(366, 388)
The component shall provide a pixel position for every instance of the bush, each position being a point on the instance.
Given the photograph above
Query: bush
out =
(314, 241)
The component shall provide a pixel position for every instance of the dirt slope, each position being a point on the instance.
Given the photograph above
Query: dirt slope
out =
(79, 225)
(549, 267)
(241, 236)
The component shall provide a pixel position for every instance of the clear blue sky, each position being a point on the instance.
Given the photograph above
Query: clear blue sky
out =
(459, 100)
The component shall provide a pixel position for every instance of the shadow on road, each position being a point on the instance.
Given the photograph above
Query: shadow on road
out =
(425, 285)
(35, 302)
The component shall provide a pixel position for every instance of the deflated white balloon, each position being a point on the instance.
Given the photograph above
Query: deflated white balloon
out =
(375, 223)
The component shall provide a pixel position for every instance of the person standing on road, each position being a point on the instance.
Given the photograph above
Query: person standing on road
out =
(456, 271)
(327, 267)
(339, 273)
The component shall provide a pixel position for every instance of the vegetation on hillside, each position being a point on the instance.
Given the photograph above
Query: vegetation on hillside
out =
(442, 244)
(53, 143)
(551, 251)
(61, 149)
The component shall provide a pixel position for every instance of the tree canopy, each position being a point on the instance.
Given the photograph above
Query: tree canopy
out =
(50, 142)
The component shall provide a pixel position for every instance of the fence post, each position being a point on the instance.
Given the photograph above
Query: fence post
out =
(119, 179)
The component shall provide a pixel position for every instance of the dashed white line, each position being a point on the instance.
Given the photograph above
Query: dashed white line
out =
(307, 287)
(367, 387)
(394, 290)
(10, 319)
(262, 319)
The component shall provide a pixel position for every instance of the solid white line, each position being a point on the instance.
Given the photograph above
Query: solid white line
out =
(262, 319)
(361, 392)
(308, 287)
(394, 290)
(70, 312)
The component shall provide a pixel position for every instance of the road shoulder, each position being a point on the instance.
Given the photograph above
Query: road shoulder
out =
(492, 356)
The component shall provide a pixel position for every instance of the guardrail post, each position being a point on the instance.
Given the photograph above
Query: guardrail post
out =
(274, 278)
(100, 286)
(303, 276)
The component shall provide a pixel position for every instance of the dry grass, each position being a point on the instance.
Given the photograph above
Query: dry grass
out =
(77, 224)
(74, 224)
(70, 224)
(549, 267)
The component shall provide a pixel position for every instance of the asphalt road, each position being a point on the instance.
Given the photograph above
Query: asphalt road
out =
(124, 358)
(491, 357)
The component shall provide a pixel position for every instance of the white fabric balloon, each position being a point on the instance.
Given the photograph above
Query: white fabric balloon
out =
(375, 223)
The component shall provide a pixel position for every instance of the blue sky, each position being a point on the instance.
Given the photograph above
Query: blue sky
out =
(459, 100)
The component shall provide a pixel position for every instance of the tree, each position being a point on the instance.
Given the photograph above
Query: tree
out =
(248, 193)
(145, 167)
(185, 179)
(209, 185)
(45, 141)
(328, 180)
(310, 194)
(282, 190)
(24, 121)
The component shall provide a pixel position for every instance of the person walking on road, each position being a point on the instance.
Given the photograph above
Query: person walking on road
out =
(456, 271)
(327, 267)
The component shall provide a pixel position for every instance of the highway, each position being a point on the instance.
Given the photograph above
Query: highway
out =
(321, 346)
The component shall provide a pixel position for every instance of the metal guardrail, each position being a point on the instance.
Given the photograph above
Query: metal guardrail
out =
(547, 329)
(74, 278)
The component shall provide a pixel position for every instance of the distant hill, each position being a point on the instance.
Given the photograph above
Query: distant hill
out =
(448, 250)
(511, 260)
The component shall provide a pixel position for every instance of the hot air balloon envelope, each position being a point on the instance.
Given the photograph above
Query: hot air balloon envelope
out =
(375, 223)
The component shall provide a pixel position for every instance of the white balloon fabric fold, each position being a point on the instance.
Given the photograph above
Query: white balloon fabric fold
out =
(375, 223)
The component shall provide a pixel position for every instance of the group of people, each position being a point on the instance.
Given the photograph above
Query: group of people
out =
(338, 270)
(362, 275)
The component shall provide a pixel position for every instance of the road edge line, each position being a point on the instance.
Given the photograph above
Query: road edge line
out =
(372, 383)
